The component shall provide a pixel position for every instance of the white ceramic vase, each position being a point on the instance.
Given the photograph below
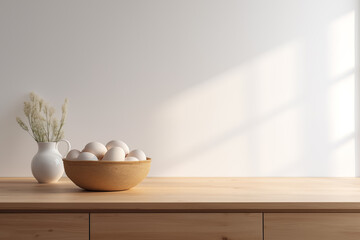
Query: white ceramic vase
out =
(47, 165)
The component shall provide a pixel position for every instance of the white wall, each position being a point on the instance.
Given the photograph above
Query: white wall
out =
(206, 88)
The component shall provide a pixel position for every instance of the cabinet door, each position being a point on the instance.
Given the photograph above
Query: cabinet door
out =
(312, 226)
(44, 226)
(176, 226)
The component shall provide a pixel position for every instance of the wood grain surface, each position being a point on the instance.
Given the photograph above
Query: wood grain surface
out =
(62, 226)
(176, 226)
(312, 226)
(187, 195)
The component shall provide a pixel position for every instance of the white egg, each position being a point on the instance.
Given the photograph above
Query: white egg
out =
(139, 154)
(87, 156)
(114, 154)
(118, 143)
(131, 159)
(96, 148)
(73, 154)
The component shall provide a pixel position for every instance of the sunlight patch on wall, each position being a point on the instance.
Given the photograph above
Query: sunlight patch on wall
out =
(276, 75)
(236, 118)
(227, 158)
(341, 100)
(279, 144)
(342, 159)
(342, 45)
(205, 112)
(341, 95)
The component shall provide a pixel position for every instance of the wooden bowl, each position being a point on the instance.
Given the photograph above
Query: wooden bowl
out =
(106, 175)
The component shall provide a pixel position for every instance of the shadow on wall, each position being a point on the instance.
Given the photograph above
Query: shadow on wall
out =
(273, 115)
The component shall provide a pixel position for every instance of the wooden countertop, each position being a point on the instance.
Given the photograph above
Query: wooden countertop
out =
(187, 195)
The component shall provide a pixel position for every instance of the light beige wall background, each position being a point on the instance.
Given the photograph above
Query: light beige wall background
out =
(206, 88)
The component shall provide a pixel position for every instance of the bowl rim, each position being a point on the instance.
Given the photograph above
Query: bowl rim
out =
(148, 160)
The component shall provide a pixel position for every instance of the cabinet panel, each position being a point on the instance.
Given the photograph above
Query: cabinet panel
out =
(176, 226)
(312, 226)
(44, 226)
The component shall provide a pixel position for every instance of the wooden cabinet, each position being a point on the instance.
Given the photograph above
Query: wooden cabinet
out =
(179, 226)
(311, 226)
(176, 226)
(184, 208)
(44, 226)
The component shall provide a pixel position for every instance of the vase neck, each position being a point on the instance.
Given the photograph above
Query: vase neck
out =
(42, 146)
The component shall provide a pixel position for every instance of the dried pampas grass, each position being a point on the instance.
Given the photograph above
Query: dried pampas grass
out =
(42, 124)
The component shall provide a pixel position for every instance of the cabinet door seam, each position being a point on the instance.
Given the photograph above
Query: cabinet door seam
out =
(89, 226)
(263, 227)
